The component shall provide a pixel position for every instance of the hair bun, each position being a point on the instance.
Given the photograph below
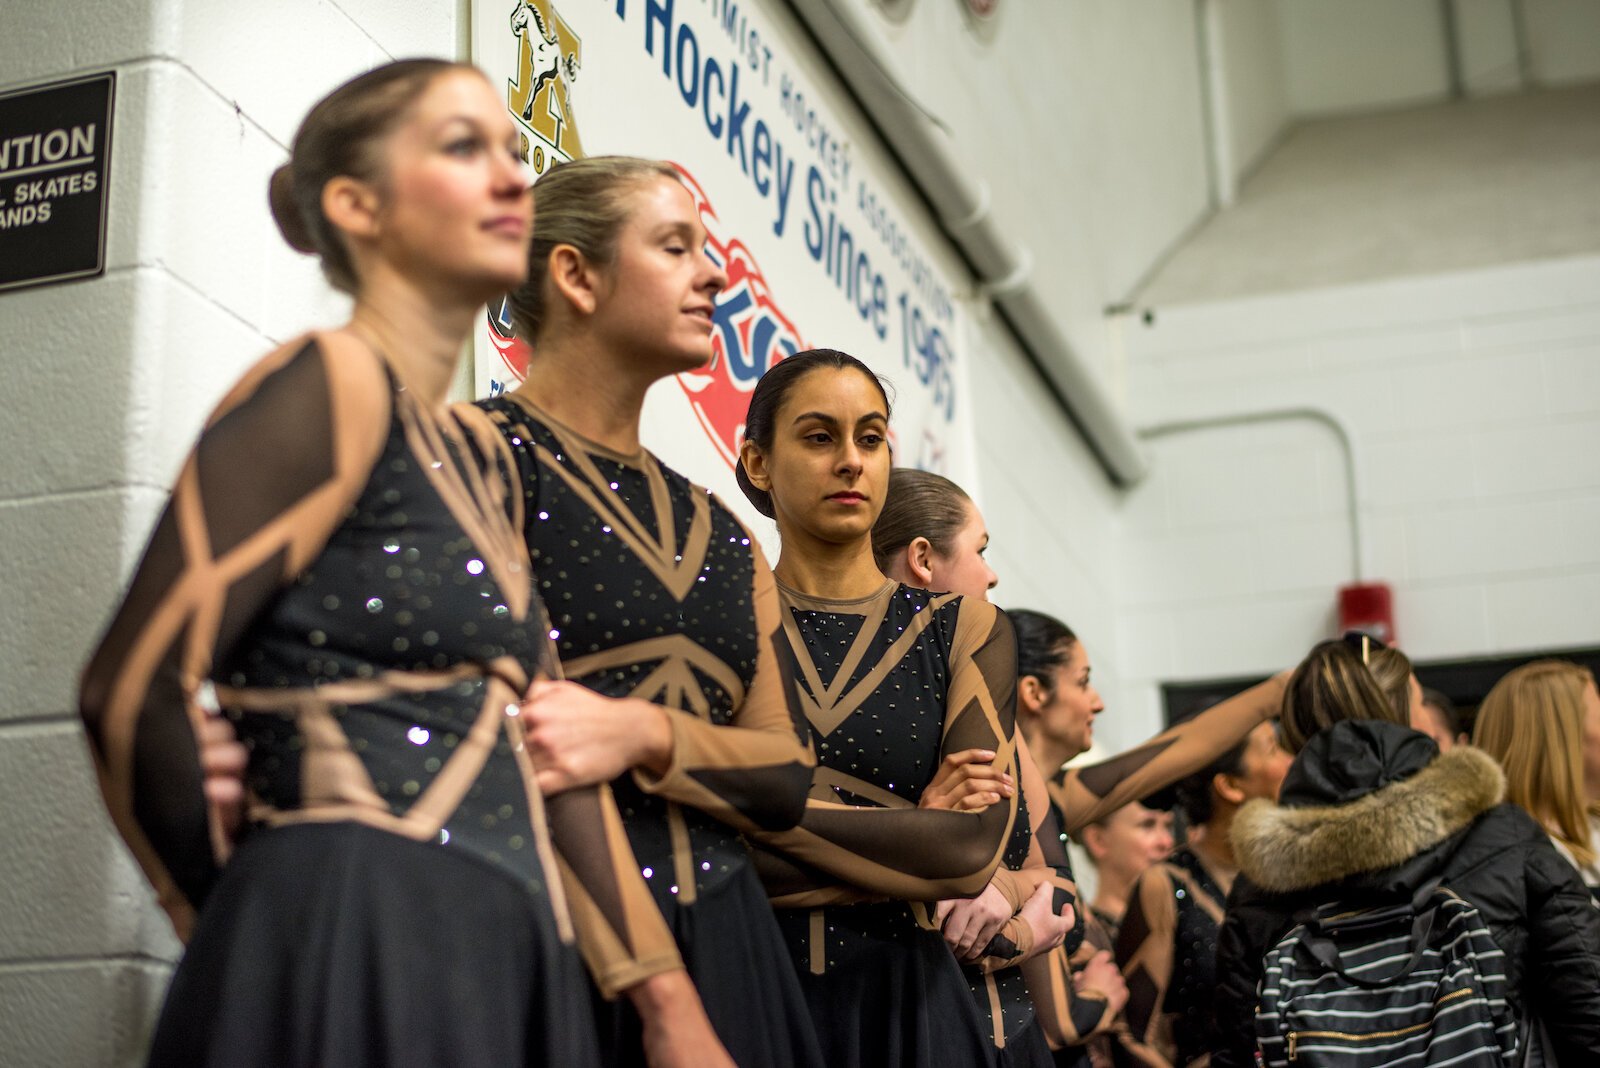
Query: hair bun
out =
(285, 212)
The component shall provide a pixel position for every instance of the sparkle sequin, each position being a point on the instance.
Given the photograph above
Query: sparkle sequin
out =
(601, 594)
(400, 588)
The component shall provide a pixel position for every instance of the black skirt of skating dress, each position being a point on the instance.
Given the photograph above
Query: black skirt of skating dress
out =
(340, 945)
(732, 948)
(889, 993)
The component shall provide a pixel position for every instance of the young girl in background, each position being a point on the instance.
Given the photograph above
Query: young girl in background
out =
(931, 536)
(1542, 723)
(1167, 948)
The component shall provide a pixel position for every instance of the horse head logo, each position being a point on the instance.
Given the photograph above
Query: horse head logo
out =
(547, 65)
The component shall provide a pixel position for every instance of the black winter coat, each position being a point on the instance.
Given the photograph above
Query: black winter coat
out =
(1372, 810)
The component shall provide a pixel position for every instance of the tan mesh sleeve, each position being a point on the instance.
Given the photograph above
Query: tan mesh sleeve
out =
(252, 506)
(1144, 950)
(1090, 793)
(1067, 1017)
(621, 933)
(753, 773)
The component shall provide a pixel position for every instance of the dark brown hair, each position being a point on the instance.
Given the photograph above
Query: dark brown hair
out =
(768, 397)
(342, 135)
(1332, 685)
(920, 504)
(1044, 644)
(584, 204)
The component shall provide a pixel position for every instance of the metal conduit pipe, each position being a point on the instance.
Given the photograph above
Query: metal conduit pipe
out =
(1277, 415)
(962, 207)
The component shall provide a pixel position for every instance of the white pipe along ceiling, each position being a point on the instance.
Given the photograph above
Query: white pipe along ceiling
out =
(962, 208)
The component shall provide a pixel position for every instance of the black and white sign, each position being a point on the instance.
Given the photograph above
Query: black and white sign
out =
(55, 159)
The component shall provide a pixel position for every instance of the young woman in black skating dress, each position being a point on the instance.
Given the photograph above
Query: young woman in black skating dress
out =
(341, 570)
(662, 606)
(893, 680)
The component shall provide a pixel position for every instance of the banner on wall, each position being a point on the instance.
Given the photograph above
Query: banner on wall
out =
(804, 216)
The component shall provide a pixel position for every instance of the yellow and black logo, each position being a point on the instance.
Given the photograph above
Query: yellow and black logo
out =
(549, 56)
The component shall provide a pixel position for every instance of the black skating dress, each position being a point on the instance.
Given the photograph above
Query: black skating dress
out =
(1167, 948)
(340, 570)
(657, 591)
(891, 684)
(1036, 853)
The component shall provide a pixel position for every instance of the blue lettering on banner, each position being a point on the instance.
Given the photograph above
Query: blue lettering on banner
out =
(738, 115)
(714, 122)
(760, 152)
(691, 91)
(713, 88)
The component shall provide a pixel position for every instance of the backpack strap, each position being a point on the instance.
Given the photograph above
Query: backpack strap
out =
(1324, 923)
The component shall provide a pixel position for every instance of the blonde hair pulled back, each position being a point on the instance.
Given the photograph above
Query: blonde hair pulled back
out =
(582, 203)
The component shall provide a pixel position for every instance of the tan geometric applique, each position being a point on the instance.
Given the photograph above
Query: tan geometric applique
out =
(830, 705)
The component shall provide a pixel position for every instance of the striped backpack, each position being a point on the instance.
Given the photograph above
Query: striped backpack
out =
(1412, 984)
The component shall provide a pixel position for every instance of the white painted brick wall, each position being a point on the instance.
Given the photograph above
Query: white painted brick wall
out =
(109, 381)
(1050, 513)
(1474, 403)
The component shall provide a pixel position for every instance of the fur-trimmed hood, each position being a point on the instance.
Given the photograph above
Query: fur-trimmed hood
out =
(1413, 805)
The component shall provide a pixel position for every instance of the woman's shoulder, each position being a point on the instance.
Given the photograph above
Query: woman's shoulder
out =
(977, 631)
(975, 610)
(325, 377)
(522, 424)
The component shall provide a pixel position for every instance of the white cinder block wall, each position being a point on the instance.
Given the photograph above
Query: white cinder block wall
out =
(1086, 123)
(108, 382)
(1474, 403)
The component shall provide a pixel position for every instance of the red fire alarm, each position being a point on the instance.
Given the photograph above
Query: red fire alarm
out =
(1369, 608)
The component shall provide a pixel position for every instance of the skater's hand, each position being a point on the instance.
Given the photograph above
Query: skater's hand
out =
(577, 737)
(1050, 929)
(677, 1033)
(1101, 978)
(223, 759)
(968, 923)
(967, 781)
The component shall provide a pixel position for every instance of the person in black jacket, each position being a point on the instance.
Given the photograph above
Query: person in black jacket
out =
(1372, 810)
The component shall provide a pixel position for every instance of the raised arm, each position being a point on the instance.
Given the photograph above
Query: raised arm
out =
(252, 507)
(1086, 794)
(907, 853)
